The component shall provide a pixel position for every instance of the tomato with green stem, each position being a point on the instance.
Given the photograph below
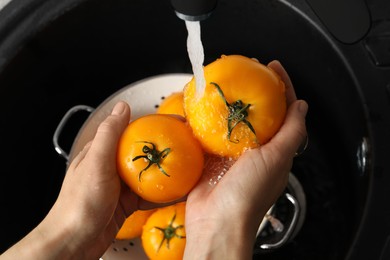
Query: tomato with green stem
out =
(163, 235)
(243, 105)
(159, 158)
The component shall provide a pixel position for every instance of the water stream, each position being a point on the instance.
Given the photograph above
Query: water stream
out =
(196, 55)
(215, 166)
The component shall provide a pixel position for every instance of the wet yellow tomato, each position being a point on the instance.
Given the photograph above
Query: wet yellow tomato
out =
(172, 104)
(159, 158)
(163, 235)
(243, 105)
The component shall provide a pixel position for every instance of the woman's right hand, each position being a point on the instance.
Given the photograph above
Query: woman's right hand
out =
(222, 220)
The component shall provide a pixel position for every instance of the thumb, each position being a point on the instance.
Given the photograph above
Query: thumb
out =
(292, 133)
(104, 144)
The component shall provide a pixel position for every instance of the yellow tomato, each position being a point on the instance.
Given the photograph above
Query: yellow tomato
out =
(163, 235)
(173, 104)
(159, 158)
(132, 227)
(243, 105)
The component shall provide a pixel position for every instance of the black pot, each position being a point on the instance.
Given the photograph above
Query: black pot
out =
(57, 54)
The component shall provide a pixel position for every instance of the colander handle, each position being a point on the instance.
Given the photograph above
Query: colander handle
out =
(61, 125)
(290, 229)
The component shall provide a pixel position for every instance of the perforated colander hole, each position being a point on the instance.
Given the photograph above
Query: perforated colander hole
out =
(115, 249)
(158, 105)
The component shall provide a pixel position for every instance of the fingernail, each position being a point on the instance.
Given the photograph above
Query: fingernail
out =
(118, 109)
(303, 107)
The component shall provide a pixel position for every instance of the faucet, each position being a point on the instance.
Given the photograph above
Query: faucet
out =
(193, 10)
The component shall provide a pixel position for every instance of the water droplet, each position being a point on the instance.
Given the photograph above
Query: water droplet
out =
(160, 187)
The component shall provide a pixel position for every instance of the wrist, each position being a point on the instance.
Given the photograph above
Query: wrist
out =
(58, 236)
(67, 232)
(43, 242)
(229, 240)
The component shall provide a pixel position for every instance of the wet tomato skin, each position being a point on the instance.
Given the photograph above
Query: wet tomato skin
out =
(179, 167)
(241, 79)
(155, 244)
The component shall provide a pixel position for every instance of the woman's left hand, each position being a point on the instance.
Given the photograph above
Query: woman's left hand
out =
(92, 204)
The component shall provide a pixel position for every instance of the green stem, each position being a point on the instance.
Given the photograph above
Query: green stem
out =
(153, 156)
(170, 232)
(238, 112)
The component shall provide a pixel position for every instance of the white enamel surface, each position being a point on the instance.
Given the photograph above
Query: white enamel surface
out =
(142, 96)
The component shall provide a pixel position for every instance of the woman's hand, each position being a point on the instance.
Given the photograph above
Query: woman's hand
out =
(222, 221)
(91, 206)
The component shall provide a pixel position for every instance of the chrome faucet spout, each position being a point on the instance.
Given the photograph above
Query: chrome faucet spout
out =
(194, 10)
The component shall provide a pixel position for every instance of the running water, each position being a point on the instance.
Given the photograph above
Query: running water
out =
(215, 166)
(196, 55)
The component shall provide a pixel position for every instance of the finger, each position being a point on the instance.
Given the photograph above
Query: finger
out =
(292, 133)
(290, 92)
(127, 205)
(128, 200)
(104, 145)
(146, 205)
(80, 156)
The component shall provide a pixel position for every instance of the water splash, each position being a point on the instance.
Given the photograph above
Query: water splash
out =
(196, 55)
(216, 167)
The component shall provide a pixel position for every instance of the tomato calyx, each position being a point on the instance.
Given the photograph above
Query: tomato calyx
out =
(169, 232)
(238, 112)
(153, 156)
